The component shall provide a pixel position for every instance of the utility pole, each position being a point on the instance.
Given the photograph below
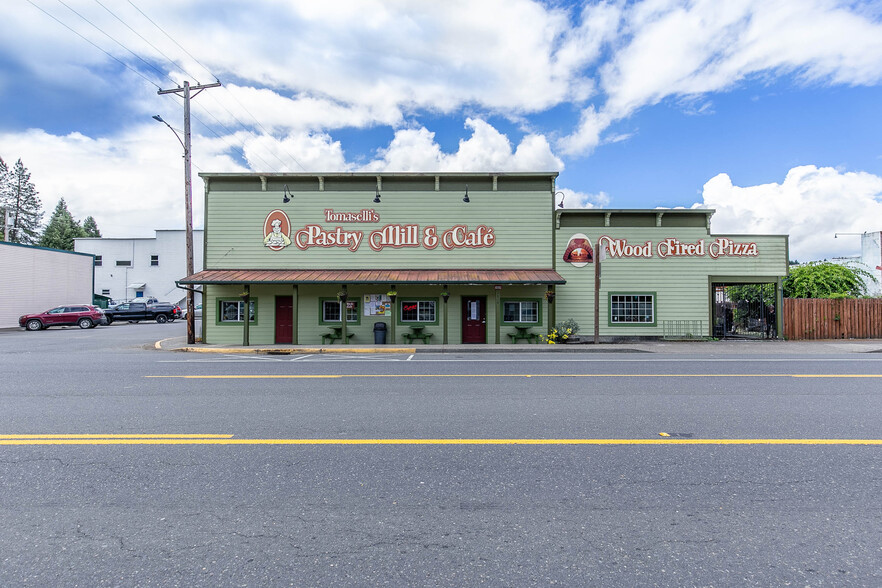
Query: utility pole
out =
(188, 193)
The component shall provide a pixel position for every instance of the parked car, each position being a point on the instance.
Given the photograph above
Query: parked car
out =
(84, 316)
(197, 312)
(138, 311)
(174, 311)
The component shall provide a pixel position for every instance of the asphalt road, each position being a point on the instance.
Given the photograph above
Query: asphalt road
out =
(349, 470)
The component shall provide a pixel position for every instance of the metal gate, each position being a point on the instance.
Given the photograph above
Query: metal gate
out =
(746, 311)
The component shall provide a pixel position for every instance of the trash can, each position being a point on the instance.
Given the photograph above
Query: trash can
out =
(380, 333)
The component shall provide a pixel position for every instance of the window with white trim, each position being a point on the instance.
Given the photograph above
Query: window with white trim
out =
(98, 261)
(520, 311)
(418, 311)
(154, 260)
(331, 311)
(634, 309)
(233, 311)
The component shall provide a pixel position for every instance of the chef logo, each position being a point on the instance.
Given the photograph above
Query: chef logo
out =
(277, 230)
(579, 251)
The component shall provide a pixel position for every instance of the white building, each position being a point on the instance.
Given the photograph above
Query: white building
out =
(35, 279)
(870, 260)
(135, 268)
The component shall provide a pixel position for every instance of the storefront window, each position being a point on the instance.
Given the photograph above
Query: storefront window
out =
(520, 311)
(233, 311)
(632, 309)
(418, 311)
(331, 311)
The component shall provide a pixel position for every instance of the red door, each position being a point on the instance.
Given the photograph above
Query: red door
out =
(284, 319)
(474, 319)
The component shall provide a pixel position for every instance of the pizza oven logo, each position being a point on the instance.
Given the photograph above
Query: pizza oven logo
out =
(579, 251)
(277, 230)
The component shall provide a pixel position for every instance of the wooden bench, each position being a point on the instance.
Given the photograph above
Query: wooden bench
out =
(334, 335)
(524, 333)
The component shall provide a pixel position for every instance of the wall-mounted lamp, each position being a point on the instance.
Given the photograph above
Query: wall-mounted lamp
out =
(466, 197)
(287, 195)
(562, 195)
(377, 197)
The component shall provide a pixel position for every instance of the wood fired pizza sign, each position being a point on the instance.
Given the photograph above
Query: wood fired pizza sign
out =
(579, 251)
(278, 234)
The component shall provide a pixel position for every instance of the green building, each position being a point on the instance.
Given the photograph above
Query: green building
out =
(460, 258)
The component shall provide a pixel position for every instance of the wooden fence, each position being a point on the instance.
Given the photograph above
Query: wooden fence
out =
(816, 318)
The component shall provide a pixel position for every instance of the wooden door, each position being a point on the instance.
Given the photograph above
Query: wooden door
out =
(284, 319)
(474, 319)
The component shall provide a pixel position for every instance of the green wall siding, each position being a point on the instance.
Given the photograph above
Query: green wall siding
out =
(521, 223)
(680, 283)
(310, 330)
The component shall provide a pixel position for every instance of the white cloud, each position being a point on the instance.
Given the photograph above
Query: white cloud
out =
(573, 199)
(320, 65)
(669, 48)
(132, 183)
(486, 150)
(811, 205)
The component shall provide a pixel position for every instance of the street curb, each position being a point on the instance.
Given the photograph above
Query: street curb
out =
(293, 350)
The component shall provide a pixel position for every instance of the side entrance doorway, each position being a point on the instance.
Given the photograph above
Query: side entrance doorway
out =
(474, 319)
(284, 319)
(745, 311)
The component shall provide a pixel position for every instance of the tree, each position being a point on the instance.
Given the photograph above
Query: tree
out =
(826, 280)
(91, 227)
(25, 209)
(62, 229)
(5, 191)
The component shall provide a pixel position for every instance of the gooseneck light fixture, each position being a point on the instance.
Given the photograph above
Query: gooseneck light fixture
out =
(466, 197)
(562, 195)
(287, 195)
(377, 197)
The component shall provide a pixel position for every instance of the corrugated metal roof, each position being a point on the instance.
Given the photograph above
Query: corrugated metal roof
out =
(376, 276)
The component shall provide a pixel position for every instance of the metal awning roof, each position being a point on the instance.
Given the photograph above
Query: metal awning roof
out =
(376, 276)
(136, 286)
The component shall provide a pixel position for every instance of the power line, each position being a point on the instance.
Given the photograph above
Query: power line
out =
(155, 48)
(124, 64)
(294, 159)
(97, 28)
(172, 40)
(174, 64)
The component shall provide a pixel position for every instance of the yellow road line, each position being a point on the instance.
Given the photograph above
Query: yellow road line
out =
(338, 376)
(206, 440)
(118, 436)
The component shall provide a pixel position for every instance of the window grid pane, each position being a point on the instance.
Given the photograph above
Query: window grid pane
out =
(525, 311)
(418, 311)
(331, 311)
(632, 308)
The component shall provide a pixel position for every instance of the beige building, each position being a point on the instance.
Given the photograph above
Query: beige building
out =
(35, 279)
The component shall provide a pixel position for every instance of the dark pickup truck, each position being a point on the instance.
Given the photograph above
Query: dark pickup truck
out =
(138, 311)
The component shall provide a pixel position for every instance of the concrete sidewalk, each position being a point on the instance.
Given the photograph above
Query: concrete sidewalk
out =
(727, 347)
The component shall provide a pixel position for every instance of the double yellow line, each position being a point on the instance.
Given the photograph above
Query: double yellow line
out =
(495, 376)
(188, 439)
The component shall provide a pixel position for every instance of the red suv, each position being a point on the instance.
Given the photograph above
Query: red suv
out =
(85, 316)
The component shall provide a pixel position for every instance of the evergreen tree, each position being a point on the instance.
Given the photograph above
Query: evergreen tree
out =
(24, 206)
(4, 196)
(62, 229)
(91, 227)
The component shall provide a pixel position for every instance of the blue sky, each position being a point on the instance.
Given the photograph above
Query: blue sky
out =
(766, 110)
